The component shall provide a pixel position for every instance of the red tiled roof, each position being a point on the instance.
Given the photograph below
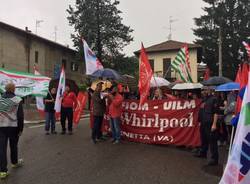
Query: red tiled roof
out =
(168, 45)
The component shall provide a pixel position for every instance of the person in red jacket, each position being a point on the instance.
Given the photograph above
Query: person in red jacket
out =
(115, 110)
(69, 104)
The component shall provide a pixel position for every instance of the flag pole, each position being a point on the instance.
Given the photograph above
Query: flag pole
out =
(231, 141)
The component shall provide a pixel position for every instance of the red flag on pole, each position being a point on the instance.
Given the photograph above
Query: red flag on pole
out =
(206, 74)
(81, 102)
(145, 75)
(243, 83)
(238, 76)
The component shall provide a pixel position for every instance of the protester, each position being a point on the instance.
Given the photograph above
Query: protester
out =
(158, 94)
(209, 131)
(50, 112)
(229, 111)
(99, 108)
(11, 128)
(223, 134)
(115, 110)
(69, 104)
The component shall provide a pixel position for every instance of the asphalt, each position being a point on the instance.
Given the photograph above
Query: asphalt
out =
(74, 159)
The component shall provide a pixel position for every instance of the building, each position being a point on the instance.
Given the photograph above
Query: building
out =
(20, 50)
(161, 55)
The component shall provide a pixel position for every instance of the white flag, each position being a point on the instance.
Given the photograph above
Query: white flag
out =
(92, 62)
(60, 91)
(237, 170)
(39, 100)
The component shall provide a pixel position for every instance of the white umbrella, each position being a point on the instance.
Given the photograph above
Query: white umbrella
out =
(158, 82)
(183, 86)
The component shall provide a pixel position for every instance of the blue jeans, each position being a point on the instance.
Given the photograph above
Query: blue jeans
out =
(115, 124)
(50, 121)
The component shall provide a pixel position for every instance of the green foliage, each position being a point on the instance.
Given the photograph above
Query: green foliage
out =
(100, 24)
(233, 16)
(83, 87)
(125, 65)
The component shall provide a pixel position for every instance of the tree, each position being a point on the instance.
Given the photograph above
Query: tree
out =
(233, 18)
(100, 24)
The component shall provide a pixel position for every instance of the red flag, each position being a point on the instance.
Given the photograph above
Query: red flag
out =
(238, 76)
(145, 75)
(206, 74)
(244, 75)
(81, 102)
(243, 83)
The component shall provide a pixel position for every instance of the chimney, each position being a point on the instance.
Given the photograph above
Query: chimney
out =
(27, 30)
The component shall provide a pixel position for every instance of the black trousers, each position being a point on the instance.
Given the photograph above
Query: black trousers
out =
(8, 134)
(66, 113)
(97, 128)
(209, 141)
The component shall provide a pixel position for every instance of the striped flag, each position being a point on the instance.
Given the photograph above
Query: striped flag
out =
(60, 91)
(187, 57)
(247, 46)
(180, 65)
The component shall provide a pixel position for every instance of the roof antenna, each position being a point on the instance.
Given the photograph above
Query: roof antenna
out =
(38, 24)
(171, 20)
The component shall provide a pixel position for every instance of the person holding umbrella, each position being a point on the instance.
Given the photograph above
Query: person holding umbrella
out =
(99, 109)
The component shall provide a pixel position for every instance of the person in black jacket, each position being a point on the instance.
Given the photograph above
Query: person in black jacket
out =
(11, 128)
(50, 112)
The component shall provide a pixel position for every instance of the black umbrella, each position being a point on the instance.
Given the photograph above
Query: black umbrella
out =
(106, 73)
(215, 81)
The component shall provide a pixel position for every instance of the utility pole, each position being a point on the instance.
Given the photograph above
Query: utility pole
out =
(220, 52)
(38, 24)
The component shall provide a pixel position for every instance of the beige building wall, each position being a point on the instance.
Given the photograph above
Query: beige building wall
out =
(12, 51)
(14, 56)
(158, 62)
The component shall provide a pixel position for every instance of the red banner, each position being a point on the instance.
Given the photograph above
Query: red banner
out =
(81, 102)
(161, 122)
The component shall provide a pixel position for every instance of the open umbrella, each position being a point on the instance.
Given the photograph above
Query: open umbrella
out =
(158, 82)
(106, 73)
(130, 81)
(106, 84)
(184, 86)
(230, 86)
(215, 81)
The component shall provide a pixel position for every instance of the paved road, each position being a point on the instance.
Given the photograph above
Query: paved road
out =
(65, 159)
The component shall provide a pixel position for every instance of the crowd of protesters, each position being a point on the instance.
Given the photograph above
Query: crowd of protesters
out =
(215, 114)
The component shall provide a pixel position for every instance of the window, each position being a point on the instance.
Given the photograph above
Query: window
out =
(74, 66)
(64, 63)
(152, 64)
(167, 68)
(3, 65)
(36, 56)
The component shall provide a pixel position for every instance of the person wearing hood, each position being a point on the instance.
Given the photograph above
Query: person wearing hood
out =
(11, 128)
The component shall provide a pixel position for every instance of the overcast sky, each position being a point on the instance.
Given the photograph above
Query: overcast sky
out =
(148, 18)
